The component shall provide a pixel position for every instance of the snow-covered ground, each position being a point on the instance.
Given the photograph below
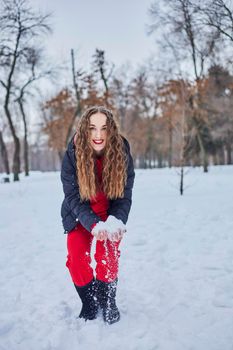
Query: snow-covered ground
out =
(176, 269)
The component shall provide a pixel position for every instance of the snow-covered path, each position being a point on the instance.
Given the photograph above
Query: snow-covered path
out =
(176, 269)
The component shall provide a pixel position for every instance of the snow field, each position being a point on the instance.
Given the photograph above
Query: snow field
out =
(175, 288)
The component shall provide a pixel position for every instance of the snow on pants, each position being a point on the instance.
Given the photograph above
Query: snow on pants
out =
(107, 255)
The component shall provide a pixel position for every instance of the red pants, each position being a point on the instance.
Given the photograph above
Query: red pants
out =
(79, 259)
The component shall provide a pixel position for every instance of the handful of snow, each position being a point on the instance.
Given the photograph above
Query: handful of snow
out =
(113, 227)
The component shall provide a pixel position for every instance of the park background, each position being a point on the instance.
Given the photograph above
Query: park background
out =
(165, 69)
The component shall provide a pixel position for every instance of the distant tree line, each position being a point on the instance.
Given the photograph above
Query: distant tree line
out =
(175, 109)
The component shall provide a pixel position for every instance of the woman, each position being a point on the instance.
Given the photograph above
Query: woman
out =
(97, 175)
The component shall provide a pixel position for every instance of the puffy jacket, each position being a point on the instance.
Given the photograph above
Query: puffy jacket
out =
(74, 210)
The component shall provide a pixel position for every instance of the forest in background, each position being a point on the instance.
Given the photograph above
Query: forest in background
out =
(175, 109)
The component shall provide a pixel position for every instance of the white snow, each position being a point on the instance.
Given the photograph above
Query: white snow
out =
(113, 227)
(175, 287)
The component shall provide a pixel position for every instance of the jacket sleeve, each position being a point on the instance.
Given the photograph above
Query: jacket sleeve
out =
(81, 210)
(120, 207)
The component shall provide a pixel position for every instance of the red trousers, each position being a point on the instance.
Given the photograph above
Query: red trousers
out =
(107, 255)
(79, 243)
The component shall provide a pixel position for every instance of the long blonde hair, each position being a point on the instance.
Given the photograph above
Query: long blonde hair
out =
(114, 171)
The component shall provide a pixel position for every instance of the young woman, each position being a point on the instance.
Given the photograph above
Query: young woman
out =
(97, 175)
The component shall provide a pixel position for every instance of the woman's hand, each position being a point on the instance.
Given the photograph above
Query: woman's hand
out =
(99, 232)
(112, 229)
(117, 235)
(115, 228)
(102, 235)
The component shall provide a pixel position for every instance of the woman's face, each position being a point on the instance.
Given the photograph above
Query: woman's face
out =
(98, 132)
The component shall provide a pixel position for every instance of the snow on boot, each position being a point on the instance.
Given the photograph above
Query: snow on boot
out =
(87, 295)
(106, 296)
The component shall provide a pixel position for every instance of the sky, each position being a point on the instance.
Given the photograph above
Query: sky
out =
(116, 26)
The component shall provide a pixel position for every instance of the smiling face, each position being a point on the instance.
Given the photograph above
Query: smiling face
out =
(98, 132)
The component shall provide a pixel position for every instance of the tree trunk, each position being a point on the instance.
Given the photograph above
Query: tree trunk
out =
(25, 150)
(4, 154)
(229, 148)
(61, 155)
(16, 157)
(150, 160)
(221, 156)
(170, 144)
(204, 156)
(160, 161)
(122, 120)
(229, 153)
(215, 158)
(182, 180)
(142, 162)
(78, 109)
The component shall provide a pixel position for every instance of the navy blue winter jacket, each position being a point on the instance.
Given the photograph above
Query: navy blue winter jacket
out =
(74, 210)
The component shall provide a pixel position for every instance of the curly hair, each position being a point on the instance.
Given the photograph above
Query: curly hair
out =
(114, 173)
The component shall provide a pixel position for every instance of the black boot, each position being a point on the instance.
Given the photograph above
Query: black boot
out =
(106, 296)
(87, 295)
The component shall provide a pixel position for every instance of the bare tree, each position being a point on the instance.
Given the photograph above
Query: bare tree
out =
(101, 67)
(76, 77)
(34, 73)
(19, 25)
(218, 14)
(120, 88)
(143, 99)
(4, 154)
(180, 20)
(57, 113)
(217, 97)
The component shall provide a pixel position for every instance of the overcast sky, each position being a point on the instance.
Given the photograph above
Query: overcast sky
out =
(116, 26)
